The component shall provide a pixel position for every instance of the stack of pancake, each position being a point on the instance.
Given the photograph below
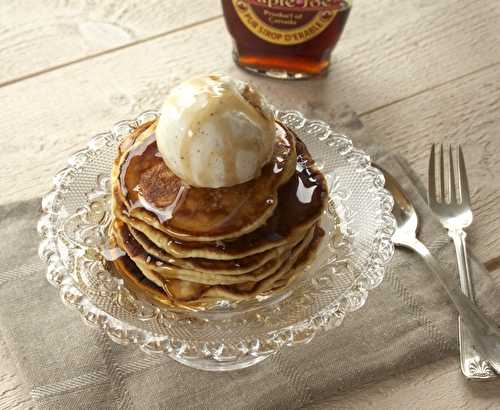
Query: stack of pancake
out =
(190, 247)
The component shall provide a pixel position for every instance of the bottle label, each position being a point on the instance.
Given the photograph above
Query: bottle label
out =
(287, 22)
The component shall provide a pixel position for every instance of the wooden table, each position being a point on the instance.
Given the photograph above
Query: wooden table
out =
(417, 72)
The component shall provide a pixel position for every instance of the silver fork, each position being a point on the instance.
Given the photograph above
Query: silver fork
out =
(455, 214)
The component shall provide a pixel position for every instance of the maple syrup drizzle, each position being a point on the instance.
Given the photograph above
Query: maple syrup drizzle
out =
(298, 199)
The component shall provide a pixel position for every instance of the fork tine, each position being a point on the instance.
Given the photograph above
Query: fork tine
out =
(431, 191)
(464, 182)
(451, 180)
(441, 174)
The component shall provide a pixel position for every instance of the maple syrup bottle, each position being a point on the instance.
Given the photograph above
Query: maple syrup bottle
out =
(288, 39)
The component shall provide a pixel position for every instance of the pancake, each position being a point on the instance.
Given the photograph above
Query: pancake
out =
(193, 296)
(146, 262)
(307, 256)
(192, 248)
(184, 294)
(223, 292)
(300, 204)
(152, 193)
(232, 266)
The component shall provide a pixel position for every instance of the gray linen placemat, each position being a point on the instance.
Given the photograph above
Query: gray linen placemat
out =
(407, 322)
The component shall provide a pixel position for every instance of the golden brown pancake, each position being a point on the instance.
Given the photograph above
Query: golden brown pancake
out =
(193, 247)
(266, 284)
(300, 204)
(185, 294)
(304, 259)
(151, 192)
(146, 262)
(232, 266)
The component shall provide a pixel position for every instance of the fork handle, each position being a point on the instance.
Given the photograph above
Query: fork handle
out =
(458, 236)
(473, 364)
(483, 332)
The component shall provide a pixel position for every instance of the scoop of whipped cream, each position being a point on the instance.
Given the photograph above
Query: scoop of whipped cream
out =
(215, 131)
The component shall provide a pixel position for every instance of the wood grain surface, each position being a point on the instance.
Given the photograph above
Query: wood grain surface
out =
(417, 71)
(39, 36)
(464, 111)
(68, 105)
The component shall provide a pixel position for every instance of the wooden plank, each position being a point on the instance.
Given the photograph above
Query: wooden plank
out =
(406, 47)
(49, 116)
(463, 111)
(37, 36)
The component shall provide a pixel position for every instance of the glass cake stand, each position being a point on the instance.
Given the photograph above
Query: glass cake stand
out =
(351, 260)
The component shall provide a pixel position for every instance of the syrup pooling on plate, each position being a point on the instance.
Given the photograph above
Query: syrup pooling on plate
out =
(148, 184)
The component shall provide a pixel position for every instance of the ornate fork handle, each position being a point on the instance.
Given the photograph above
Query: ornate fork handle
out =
(484, 334)
(473, 365)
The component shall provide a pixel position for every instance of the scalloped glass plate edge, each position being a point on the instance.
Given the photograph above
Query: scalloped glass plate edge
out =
(217, 356)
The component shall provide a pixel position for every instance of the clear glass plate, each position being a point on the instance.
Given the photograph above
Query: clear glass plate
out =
(351, 260)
